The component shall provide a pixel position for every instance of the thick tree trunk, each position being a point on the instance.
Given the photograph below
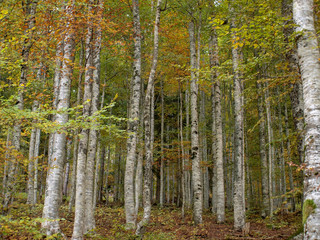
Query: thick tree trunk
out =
(195, 157)
(55, 171)
(309, 56)
(134, 122)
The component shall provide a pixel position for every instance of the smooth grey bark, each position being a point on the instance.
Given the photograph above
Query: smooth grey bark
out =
(56, 84)
(217, 132)
(93, 133)
(55, 170)
(133, 124)
(36, 160)
(80, 200)
(139, 180)
(196, 170)
(31, 168)
(239, 179)
(148, 127)
(309, 56)
(75, 137)
(204, 150)
(263, 157)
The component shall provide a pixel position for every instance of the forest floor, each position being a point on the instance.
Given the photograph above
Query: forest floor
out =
(165, 224)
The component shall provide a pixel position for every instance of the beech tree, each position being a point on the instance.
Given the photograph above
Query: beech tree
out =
(310, 73)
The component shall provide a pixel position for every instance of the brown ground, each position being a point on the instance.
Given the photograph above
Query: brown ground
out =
(165, 224)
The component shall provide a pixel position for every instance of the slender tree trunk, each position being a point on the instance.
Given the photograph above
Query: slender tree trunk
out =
(107, 174)
(93, 134)
(217, 132)
(75, 137)
(291, 184)
(138, 181)
(80, 200)
(162, 151)
(196, 170)
(263, 156)
(55, 171)
(183, 171)
(271, 154)
(283, 185)
(238, 200)
(67, 170)
(30, 185)
(187, 160)
(134, 122)
(309, 56)
(36, 160)
(148, 128)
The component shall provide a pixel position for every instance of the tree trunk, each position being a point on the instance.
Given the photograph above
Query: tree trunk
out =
(55, 171)
(238, 200)
(36, 160)
(67, 170)
(271, 154)
(31, 168)
(162, 151)
(93, 134)
(263, 156)
(217, 132)
(75, 137)
(196, 170)
(148, 128)
(134, 122)
(309, 56)
(80, 201)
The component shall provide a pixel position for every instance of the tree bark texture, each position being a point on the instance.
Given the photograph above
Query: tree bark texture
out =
(133, 124)
(55, 171)
(309, 56)
(195, 157)
(239, 179)
(148, 128)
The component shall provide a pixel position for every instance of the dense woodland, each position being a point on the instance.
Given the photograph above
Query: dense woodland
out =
(159, 119)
